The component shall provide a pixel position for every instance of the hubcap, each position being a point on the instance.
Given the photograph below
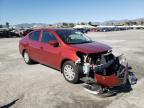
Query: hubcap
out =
(69, 72)
(26, 57)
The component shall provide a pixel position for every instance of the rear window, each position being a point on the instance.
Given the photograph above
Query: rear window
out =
(34, 35)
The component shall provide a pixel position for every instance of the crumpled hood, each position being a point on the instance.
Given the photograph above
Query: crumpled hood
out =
(94, 47)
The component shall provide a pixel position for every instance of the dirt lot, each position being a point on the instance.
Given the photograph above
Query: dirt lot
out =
(37, 86)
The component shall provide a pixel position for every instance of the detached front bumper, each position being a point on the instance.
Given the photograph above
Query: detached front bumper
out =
(112, 80)
(117, 78)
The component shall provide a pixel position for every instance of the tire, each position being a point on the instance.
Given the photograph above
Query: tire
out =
(70, 72)
(27, 58)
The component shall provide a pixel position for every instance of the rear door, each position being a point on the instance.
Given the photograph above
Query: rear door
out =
(51, 55)
(34, 45)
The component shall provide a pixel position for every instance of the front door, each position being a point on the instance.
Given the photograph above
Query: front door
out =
(50, 55)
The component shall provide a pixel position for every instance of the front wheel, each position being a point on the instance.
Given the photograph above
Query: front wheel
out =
(70, 72)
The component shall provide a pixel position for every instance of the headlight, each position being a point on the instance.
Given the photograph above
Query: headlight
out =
(122, 59)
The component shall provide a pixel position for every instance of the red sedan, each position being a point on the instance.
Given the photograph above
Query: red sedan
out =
(75, 55)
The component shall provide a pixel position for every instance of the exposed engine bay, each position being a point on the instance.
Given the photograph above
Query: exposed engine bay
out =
(102, 71)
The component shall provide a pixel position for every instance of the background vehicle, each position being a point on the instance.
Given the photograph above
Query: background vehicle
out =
(6, 33)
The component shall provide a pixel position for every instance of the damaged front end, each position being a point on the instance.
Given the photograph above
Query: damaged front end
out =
(104, 69)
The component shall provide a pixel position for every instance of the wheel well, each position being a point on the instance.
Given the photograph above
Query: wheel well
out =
(63, 63)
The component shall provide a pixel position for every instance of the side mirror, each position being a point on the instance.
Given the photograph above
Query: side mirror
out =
(53, 43)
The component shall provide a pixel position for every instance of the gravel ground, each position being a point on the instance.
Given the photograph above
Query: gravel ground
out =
(38, 86)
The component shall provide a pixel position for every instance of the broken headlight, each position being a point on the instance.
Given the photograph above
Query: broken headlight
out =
(122, 60)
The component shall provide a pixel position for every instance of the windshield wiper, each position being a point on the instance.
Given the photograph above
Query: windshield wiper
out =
(85, 42)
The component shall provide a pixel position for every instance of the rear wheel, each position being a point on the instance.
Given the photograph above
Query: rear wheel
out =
(70, 72)
(27, 58)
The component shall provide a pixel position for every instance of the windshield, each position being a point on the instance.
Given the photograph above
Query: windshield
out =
(73, 37)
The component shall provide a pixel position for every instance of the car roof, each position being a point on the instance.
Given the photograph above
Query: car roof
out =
(55, 29)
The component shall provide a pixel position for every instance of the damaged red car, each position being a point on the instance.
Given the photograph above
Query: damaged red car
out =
(76, 56)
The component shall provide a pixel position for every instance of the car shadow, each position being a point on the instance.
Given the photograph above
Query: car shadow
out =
(9, 104)
(123, 88)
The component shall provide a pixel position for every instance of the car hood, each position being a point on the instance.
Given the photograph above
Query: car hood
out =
(94, 47)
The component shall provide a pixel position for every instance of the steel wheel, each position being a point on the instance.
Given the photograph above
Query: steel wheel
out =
(26, 57)
(69, 72)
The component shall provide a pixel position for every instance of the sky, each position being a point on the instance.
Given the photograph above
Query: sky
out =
(54, 11)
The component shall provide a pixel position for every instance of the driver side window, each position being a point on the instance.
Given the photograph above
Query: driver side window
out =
(47, 36)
